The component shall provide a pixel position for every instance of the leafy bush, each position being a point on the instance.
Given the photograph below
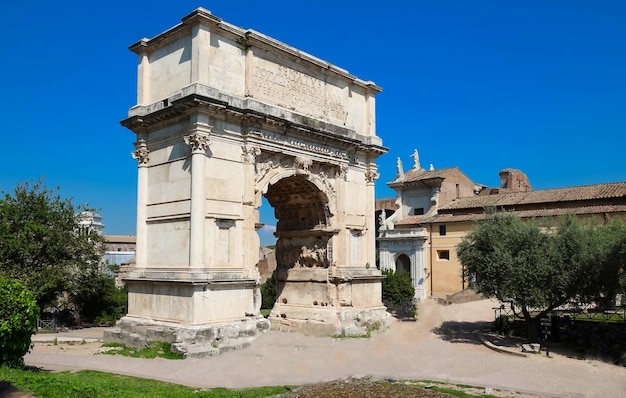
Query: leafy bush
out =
(502, 325)
(268, 293)
(398, 291)
(18, 320)
(98, 299)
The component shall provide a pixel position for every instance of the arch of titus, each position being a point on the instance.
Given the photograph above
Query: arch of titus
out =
(225, 116)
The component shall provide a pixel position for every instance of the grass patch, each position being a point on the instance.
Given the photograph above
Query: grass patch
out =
(157, 349)
(89, 383)
(372, 326)
(601, 318)
(265, 313)
(352, 336)
(455, 390)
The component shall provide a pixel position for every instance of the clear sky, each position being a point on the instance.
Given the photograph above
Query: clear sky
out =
(536, 85)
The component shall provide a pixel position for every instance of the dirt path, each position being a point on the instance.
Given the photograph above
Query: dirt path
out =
(439, 346)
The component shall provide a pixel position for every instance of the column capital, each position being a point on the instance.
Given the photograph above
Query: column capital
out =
(198, 142)
(250, 152)
(141, 153)
(371, 175)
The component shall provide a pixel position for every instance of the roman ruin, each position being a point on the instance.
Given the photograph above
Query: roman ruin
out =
(224, 117)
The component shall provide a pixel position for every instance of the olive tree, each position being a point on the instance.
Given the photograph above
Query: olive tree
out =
(539, 268)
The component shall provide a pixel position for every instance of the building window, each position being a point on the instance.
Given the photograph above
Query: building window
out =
(442, 230)
(443, 255)
(418, 212)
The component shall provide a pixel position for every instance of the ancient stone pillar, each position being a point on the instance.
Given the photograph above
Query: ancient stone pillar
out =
(199, 142)
(141, 154)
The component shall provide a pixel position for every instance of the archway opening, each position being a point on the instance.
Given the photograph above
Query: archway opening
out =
(266, 228)
(302, 228)
(403, 263)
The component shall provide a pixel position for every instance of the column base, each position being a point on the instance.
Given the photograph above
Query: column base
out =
(191, 341)
(329, 321)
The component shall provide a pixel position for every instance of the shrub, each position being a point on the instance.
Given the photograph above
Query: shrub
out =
(398, 291)
(18, 320)
(502, 325)
(268, 294)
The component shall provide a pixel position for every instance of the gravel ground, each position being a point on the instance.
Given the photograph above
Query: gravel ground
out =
(440, 346)
(367, 387)
(357, 388)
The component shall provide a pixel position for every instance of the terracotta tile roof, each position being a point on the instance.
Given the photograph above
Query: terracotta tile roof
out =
(120, 238)
(416, 175)
(423, 175)
(556, 195)
(447, 218)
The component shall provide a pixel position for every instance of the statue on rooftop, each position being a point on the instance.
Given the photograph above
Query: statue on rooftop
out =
(400, 169)
(416, 160)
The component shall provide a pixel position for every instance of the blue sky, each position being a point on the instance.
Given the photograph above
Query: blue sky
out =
(483, 85)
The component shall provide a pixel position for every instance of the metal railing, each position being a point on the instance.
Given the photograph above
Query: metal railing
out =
(50, 324)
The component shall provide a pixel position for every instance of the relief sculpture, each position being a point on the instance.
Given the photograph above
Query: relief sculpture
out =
(321, 173)
(302, 253)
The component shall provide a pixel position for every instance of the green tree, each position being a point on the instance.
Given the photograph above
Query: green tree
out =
(539, 268)
(41, 243)
(610, 276)
(97, 298)
(18, 319)
(594, 251)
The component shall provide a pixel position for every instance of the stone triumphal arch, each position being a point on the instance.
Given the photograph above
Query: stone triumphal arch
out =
(225, 116)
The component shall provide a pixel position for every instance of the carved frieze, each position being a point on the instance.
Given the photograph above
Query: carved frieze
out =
(266, 162)
(322, 173)
(301, 144)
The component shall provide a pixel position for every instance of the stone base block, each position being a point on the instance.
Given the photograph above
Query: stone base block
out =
(328, 321)
(192, 341)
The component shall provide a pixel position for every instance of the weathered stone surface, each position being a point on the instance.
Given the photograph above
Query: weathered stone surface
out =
(192, 342)
(354, 331)
(225, 117)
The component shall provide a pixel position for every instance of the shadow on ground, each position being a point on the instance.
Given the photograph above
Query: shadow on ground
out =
(598, 349)
(461, 332)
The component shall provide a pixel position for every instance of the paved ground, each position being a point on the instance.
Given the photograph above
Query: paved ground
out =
(439, 346)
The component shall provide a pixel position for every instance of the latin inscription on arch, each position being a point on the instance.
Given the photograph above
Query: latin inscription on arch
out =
(297, 90)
